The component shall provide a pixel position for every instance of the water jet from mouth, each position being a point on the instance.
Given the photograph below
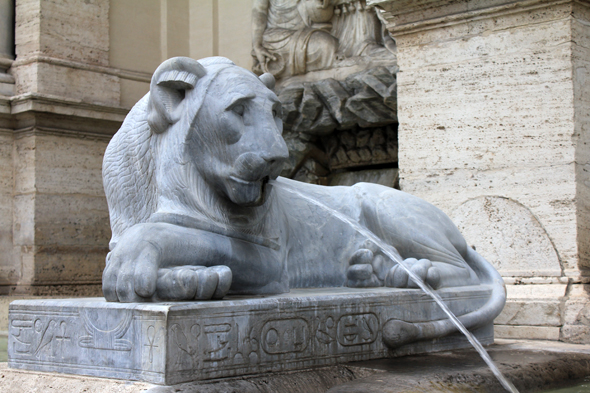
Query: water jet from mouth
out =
(392, 253)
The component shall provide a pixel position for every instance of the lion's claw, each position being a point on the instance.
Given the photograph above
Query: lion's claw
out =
(397, 277)
(365, 270)
(193, 282)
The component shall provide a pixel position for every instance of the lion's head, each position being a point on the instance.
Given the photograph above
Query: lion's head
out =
(202, 143)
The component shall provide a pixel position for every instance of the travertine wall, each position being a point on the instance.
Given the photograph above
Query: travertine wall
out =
(581, 136)
(146, 32)
(8, 272)
(493, 129)
(577, 303)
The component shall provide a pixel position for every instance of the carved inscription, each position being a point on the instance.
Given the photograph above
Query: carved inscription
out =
(357, 329)
(22, 337)
(218, 339)
(152, 341)
(38, 337)
(325, 331)
(62, 338)
(285, 335)
(187, 345)
(247, 347)
(106, 339)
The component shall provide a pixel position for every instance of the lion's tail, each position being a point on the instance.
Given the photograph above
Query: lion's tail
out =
(397, 333)
(128, 172)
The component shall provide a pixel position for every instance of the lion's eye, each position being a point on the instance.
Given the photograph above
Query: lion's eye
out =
(239, 109)
(275, 113)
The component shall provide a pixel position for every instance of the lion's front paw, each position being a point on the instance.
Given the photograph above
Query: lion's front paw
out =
(366, 269)
(397, 277)
(193, 282)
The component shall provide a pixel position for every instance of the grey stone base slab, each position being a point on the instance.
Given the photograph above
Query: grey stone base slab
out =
(169, 343)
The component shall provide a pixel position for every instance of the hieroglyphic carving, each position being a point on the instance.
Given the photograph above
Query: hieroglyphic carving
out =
(325, 333)
(35, 337)
(357, 329)
(187, 345)
(199, 341)
(152, 341)
(22, 343)
(246, 347)
(218, 338)
(106, 339)
(47, 335)
(285, 335)
(62, 338)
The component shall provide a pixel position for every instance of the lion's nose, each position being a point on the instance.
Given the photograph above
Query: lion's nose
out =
(277, 152)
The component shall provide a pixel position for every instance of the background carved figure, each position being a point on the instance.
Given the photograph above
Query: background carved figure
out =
(292, 37)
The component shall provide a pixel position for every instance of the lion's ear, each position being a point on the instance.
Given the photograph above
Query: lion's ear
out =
(167, 90)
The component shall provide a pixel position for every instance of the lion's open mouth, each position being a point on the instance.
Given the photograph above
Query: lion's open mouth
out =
(265, 181)
(248, 192)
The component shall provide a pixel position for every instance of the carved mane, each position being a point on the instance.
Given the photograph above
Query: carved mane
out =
(130, 161)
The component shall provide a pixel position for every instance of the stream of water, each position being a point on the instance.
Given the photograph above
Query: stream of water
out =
(392, 253)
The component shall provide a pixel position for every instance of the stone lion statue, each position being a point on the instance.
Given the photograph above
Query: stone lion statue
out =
(197, 209)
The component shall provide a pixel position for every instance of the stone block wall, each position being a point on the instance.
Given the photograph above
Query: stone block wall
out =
(54, 226)
(61, 218)
(493, 129)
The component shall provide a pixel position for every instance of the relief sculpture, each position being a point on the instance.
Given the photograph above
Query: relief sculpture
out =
(106, 339)
(38, 337)
(292, 37)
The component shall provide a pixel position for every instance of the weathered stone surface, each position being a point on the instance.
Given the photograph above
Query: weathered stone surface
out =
(361, 147)
(508, 234)
(64, 29)
(169, 343)
(291, 98)
(581, 65)
(537, 305)
(334, 96)
(61, 225)
(532, 365)
(576, 319)
(366, 98)
(8, 271)
(527, 332)
(56, 80)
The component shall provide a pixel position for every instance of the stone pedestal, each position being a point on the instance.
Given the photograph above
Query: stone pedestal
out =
(493, 129)
(169, 343)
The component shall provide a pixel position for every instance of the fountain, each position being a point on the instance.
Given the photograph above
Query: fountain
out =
(390, 330)
(197, 216)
